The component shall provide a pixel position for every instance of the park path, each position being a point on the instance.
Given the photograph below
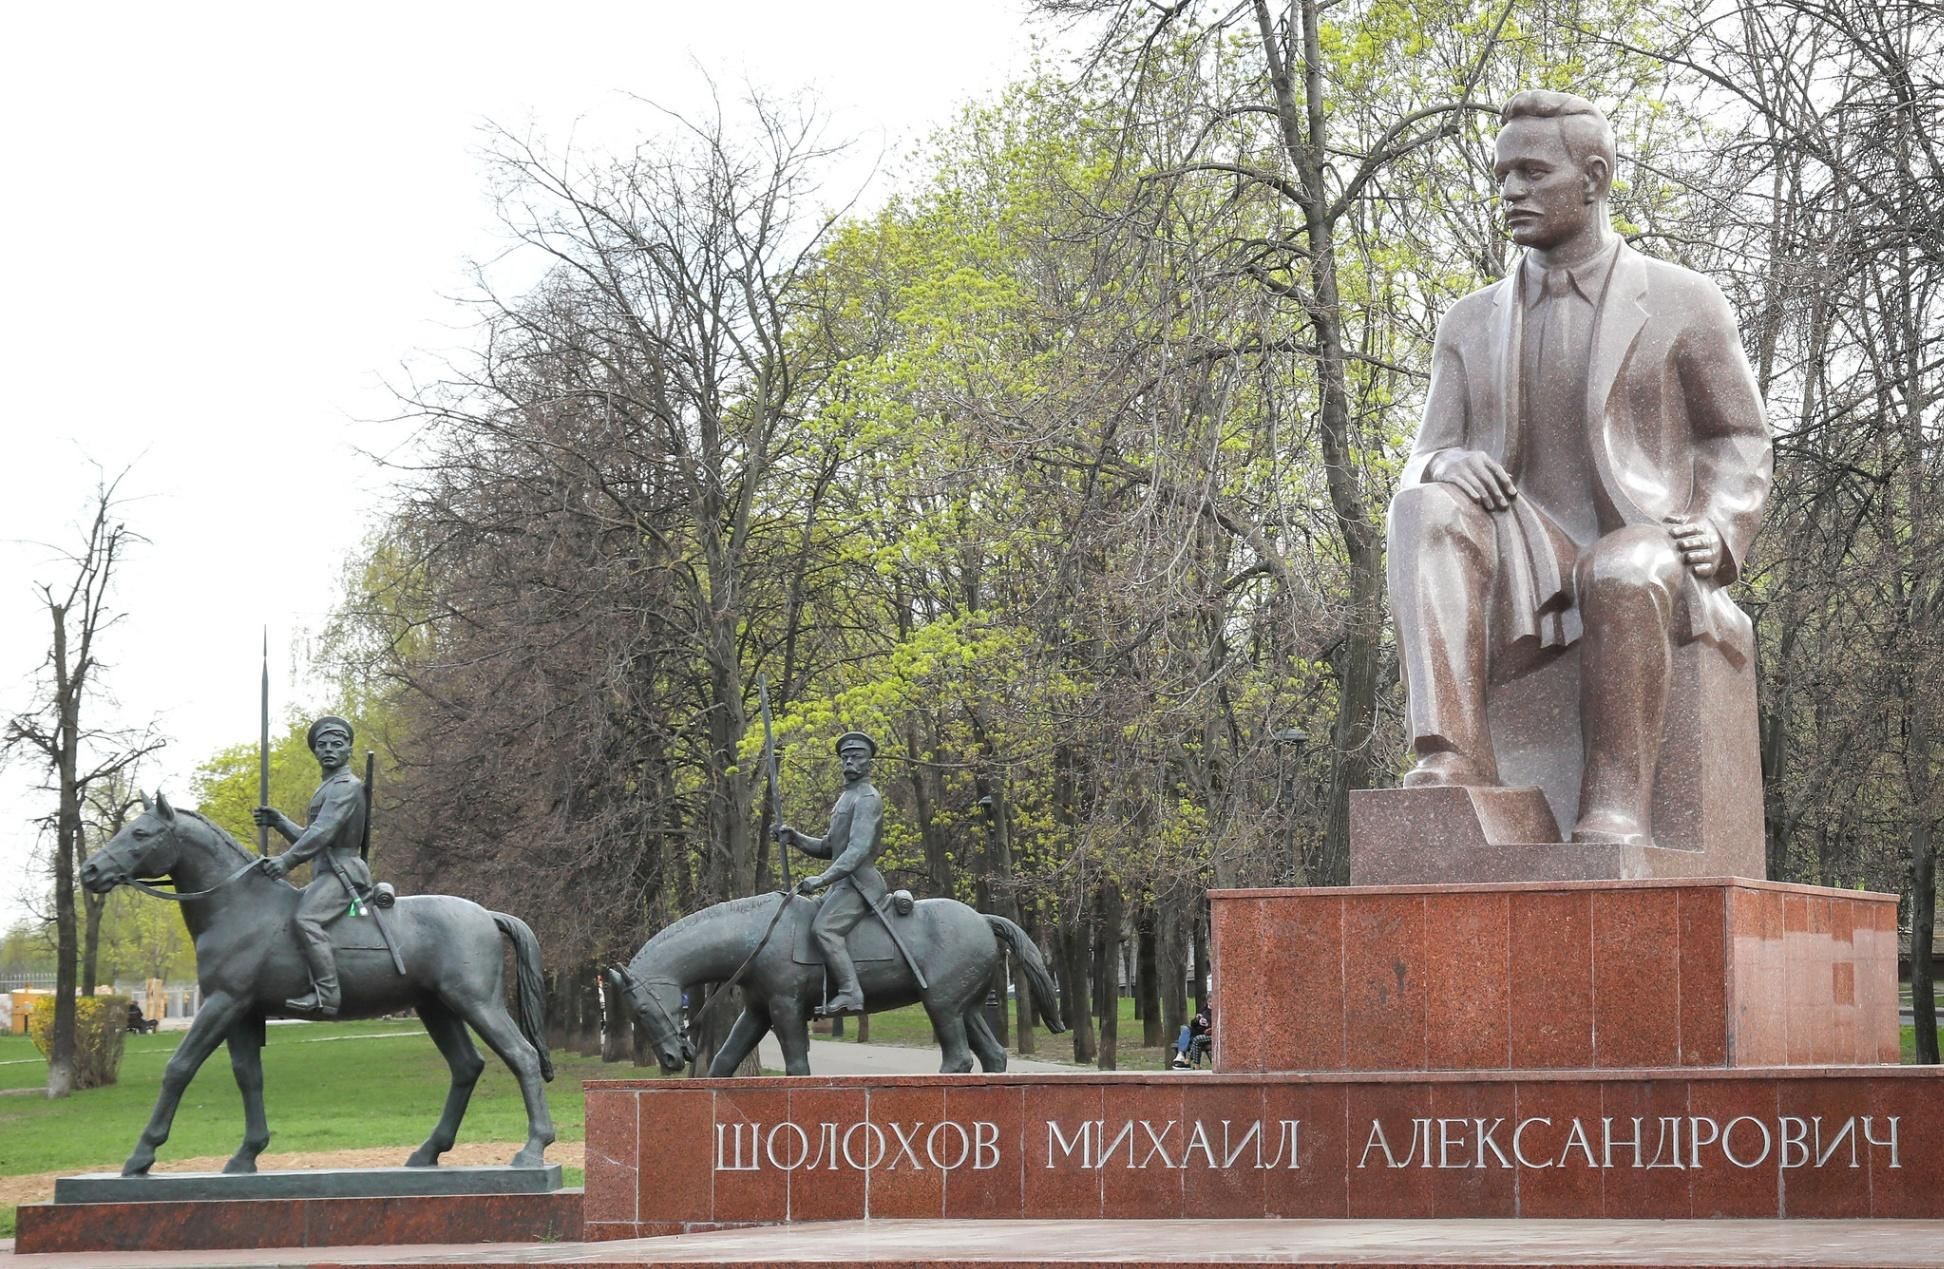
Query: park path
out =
(845, 1057)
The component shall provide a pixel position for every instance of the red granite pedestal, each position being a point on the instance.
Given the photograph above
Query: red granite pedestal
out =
(1714, 972)
(1649, 1049)
(671, 1157)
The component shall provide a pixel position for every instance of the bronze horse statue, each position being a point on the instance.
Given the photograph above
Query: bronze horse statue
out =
(247, 965)
(769, 952)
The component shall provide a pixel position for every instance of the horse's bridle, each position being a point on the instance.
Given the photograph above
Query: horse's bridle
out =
(674, 1027)
(178, 896)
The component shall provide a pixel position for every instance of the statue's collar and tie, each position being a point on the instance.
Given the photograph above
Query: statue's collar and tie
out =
(1584, 279)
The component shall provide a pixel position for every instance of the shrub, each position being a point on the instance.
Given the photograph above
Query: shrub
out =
(100, 1027)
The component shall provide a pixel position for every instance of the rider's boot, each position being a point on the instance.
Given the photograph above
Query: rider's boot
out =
(322, 1000)
(849, 997)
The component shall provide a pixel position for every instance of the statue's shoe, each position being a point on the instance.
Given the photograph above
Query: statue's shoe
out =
(309, 1006)
(1445, 768)
(1607, 828)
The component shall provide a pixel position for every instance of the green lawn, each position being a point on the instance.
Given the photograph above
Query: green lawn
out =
(374, 1084)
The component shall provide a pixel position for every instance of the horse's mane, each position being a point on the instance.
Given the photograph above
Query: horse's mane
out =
(685, 923)
(222, 834)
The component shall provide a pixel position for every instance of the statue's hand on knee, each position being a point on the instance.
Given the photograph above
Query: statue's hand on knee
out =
(1484, 480)
(1699, 543)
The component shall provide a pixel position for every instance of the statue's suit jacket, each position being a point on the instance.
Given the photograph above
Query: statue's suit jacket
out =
(1675, 425)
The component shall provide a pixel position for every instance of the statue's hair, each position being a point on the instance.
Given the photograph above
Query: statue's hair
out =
(1584, 126)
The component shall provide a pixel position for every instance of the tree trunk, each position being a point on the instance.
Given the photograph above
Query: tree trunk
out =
(1170, 959)
(989, 782)
(1305, 141)
(1109, 960)
(91, 941)
(1074, 944)
(560, 1005)
(1023, 1004)
(1147, 984)
(1204, 972)
(617, 1035)
(1923, 929)
(938, 860)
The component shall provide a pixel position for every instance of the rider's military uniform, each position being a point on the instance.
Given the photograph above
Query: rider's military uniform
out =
(335, 822)
(855, 840)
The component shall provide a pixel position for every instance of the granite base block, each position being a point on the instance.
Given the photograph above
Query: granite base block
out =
(176, 1187)
(211, 1224)
(1713, 972)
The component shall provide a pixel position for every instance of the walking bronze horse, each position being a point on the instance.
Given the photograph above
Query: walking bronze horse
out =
(783, 979)
(247, 965)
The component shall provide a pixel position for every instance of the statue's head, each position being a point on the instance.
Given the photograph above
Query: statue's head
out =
(1554, 166)
(854, 753)
(330, 740)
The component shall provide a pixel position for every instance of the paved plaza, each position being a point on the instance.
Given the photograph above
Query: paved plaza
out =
(1718, 1244)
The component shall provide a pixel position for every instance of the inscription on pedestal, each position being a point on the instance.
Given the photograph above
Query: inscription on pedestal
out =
(1444, 1143)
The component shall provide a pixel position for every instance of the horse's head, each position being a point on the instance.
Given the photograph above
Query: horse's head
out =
(145, 847)
(655, 1004)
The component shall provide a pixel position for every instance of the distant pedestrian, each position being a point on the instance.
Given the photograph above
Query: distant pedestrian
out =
(1192, 1045)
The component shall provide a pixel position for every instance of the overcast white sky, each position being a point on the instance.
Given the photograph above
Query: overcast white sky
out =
(224, 225)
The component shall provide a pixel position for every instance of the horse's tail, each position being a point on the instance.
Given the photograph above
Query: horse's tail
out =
(531, 997)
(1026, 955)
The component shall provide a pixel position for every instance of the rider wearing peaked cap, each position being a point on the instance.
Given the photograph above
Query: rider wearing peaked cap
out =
(334, 827)
(852, 844)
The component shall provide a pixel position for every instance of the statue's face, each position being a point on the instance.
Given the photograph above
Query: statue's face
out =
(856, 761)
(1549, 198)
(333, 748)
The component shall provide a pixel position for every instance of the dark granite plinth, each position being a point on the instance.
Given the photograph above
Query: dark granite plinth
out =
(178, 1187)
(197, 1225)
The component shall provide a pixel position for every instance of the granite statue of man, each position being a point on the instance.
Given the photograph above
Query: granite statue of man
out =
(334, 828)
(1590, 470)
(852, 845)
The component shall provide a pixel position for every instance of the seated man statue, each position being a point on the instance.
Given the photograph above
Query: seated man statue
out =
(1590, 470)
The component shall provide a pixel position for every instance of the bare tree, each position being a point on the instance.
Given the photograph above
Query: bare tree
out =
(75, 754)
(110, 801)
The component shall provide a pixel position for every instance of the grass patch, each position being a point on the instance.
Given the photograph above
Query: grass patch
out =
(334, 1087)
(1910, 1044)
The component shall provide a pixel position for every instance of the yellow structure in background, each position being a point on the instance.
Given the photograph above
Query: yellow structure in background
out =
(23, 1002)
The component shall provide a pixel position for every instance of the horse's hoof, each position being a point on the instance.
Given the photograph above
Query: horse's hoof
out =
(132, 1168)
(239, 1166)
(423, 1158)
(529, 1157)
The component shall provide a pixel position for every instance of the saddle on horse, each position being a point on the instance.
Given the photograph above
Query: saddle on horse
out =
(869, 941)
